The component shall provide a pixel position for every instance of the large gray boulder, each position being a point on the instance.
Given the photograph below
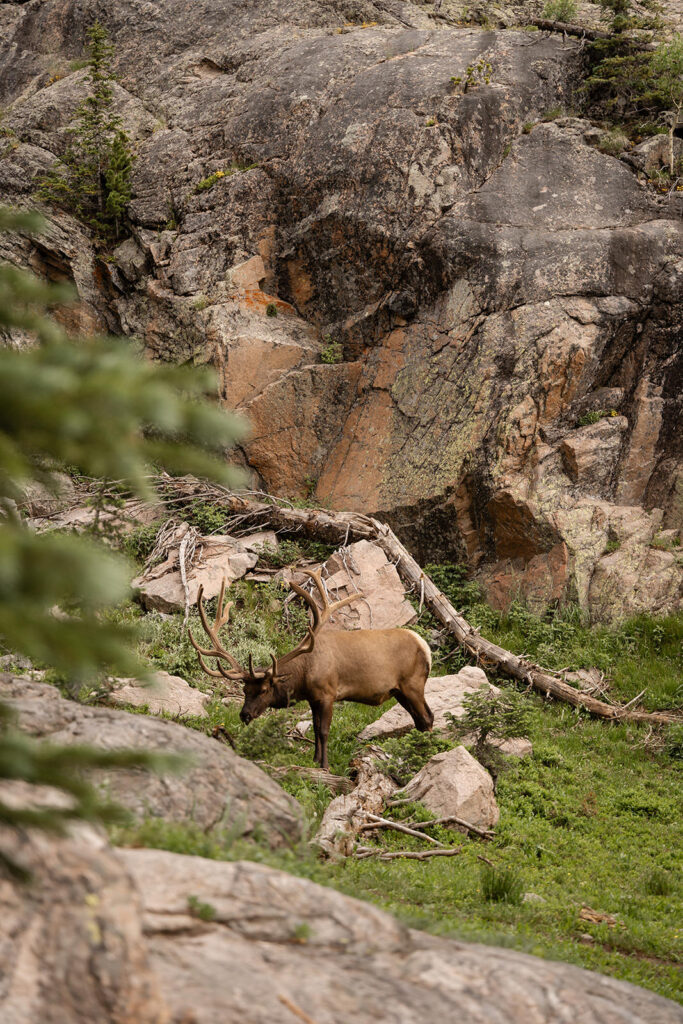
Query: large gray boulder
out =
(71, 944)
(284, 949)
(150, 937)
(164, 692)
(217, 789)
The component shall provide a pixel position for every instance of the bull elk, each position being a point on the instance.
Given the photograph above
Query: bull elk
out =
(364, 665)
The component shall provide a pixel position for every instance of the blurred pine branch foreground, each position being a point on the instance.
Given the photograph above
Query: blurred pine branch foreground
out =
(95, 406)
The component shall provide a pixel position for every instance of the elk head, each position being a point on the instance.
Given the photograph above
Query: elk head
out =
(263, 687)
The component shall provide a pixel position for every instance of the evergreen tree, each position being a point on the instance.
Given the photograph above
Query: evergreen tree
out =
(92, 178)
(93, 405)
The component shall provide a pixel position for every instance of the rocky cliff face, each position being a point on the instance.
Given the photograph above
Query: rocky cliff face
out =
(490, 276)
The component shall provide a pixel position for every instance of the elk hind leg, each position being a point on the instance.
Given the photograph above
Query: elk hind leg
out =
(417, 708)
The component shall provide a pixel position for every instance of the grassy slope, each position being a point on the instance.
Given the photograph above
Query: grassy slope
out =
(593, 818)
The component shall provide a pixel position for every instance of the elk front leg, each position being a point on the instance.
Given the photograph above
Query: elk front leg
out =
(324, 718)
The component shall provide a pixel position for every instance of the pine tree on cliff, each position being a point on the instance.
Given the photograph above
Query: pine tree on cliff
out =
(92, 178)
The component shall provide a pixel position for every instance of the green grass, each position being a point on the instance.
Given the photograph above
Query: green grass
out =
(593, 818)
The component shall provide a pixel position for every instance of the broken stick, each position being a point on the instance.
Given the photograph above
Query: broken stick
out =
(377, 822)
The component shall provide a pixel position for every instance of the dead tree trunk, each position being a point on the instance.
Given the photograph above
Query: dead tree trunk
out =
(568, 29)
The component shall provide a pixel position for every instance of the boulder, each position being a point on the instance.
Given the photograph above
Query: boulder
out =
(364, 567)
(217, 788)
(444, 694)
(40, 500)
(135, 936)
(80, 516)
(164, 693)
(286, 949)
(71, 943)
(216, 558)
(455, 783)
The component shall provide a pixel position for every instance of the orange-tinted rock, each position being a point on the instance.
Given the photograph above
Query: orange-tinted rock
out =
(541, 582)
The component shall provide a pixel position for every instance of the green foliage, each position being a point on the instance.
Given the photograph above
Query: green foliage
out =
(552, 114)
(202, 911)
(139, 543)
(659, 883)
(666, 66)
(271, 309)
(410, 753)
(613, 544)
(501, 885)
(92, 178)
(639, 648)
(672, 744)
(596, 415)
(504, 715)
(333, 352)
(302, 932)
(613, 143)
(94, 406)
(207, 516)
(561, 10)
(287, 552)
(207, 183)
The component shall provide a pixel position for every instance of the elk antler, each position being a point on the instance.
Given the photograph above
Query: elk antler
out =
(218, 651)
(320, 616)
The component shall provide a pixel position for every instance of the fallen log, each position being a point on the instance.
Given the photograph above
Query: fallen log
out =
(568, 29)
(451, 819)
(342, 527)
(337, 783)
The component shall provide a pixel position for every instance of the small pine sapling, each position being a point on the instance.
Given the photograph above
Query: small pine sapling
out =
(503, 715)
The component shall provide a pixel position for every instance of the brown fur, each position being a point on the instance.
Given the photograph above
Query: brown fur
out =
(367, 665)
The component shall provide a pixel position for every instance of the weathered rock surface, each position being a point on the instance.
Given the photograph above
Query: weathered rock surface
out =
(363, 567)
(442, 693)
(217, 558)
(218, 788)
(483, 281)
(108, 936)
(165, 693)
(356, 963)
(455, 783)
(71, 943)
